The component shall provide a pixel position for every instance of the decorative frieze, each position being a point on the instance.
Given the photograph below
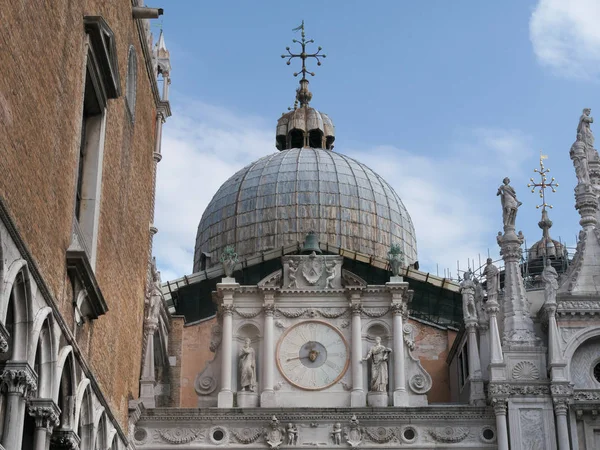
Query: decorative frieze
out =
(508, 390)
(449, 435)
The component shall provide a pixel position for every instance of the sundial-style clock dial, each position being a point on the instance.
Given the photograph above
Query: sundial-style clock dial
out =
(312, 355)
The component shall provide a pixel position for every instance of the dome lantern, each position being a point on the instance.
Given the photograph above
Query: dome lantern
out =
(304, 126)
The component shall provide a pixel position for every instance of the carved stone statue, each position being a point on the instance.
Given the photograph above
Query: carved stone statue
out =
(331, 276)
(580, 161)
(292, 269)
(336, 434)
(510, 203)
(479, 303)
(292, 434)
(584, 129)
(492, 276)
(467, 290)
(550, 279)
(378, 354)
(396, 259)
(155, 293)
(247, 366)
(229, 259)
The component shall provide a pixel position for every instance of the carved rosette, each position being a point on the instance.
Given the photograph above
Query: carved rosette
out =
(18, 378)
(45, 412)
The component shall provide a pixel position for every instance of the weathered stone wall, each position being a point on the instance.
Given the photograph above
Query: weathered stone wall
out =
(41, 100)
(195, 355)
(431, 347)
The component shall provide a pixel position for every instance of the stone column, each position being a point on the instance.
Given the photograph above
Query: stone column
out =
(19, 379)
(501, 428)
(225, 398)
(561, 409)
(400, 393)
(476, 396)
(47, 416)
(148, 380)
(357, 397)
(496, 356)
(267, 397)
(398, 289)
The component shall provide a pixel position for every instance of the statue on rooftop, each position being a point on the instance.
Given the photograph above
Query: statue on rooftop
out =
(467, 290)
(550, 279)
(492, 280)
(584, 127)
(229, 259)
(510, 203)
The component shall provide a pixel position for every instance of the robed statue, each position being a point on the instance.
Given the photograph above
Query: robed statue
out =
(510, 203)
(378, 354)
(550, 280)
(492, 280)
(467, 290)
(247, 365)
(584, 127)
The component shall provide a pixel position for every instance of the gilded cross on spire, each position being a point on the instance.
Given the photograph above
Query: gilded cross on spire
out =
(303, 55)
(543, 184)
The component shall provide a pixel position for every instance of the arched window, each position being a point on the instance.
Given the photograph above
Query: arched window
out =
(297, 138)
(315, 139)
(131, 82)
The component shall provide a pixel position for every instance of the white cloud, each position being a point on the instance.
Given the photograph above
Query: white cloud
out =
(453, 216)
(202, 147)
(450, 195)
(566, 36)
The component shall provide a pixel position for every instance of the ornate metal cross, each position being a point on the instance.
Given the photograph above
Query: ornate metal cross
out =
(303, 55)
(543, 184)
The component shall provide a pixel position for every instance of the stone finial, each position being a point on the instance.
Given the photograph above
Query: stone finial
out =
(396, 259)
(510, 204)
(229, 259)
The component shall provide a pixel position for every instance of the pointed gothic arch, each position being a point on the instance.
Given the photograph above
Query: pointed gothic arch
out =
(84, 415)
(15, 308)
(42, 352)
(64, 392)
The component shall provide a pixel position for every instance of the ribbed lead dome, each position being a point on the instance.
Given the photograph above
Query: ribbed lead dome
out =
(277, 200)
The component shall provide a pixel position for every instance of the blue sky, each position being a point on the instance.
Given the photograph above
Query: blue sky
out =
(443, 99)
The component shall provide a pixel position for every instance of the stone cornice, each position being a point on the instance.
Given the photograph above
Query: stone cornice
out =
(50, 301)
(366, 415)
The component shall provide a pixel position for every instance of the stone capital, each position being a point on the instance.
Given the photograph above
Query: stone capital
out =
(500, 406)
(269, 309)
(45, 412)
(356, 308)
(561, 407)
(227, 310)
(18, 378)
(64, 440)
(151, 325)
(471, 325)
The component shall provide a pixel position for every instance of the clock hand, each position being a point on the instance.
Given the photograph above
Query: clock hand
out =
(298, 357)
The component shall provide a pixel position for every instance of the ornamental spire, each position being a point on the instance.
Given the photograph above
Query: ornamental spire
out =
(303, 94)
(546, 247)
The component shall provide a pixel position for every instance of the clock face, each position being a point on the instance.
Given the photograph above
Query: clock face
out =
(312, 355)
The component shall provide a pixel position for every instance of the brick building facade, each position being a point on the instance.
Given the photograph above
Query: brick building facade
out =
(80, 119)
